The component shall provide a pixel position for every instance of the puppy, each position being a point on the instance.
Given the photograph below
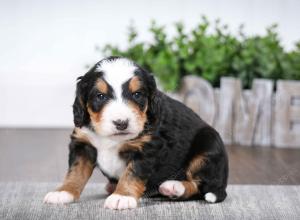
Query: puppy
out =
(143, 141)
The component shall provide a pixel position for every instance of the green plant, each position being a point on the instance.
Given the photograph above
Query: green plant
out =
(210, 54)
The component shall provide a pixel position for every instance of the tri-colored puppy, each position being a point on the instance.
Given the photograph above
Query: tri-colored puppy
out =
(142, 140)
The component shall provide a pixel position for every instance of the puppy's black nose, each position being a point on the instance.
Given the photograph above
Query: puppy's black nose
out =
(121, 124)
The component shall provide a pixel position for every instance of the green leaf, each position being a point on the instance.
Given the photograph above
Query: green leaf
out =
(210, 51)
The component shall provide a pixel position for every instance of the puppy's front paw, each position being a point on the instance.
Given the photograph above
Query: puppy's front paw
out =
(116, 201)
(59, 197)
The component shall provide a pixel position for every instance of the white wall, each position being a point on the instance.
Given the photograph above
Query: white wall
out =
(44, 45)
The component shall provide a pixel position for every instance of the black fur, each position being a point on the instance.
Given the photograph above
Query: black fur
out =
(177, 136)
(81, 150)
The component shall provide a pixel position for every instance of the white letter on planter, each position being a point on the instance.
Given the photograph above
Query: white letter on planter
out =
(287, 114)
(199, 96)
(252, 125)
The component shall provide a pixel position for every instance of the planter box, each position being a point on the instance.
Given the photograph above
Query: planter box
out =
(256, 117)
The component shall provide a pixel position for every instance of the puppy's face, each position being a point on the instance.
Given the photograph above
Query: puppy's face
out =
(113, 98)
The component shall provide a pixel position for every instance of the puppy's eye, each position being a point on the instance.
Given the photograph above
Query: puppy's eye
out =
(101, 96)
(137, 95)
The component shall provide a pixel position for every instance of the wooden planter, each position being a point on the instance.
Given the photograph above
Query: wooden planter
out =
(256, 117)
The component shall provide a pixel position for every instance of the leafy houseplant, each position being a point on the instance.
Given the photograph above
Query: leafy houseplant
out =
(210, 55)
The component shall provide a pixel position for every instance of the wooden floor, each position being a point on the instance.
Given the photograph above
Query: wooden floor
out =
(41, 155)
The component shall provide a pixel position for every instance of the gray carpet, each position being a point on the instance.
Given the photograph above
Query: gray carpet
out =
(24, 201)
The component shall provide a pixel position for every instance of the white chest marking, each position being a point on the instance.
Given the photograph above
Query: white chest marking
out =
(110, 162)
(108, 154)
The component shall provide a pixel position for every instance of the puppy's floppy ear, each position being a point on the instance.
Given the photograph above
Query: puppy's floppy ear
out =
(79, 106)
(153, 105)
(151, 85)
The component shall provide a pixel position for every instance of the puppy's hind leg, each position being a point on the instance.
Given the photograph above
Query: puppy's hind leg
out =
(175, 189)
(178, 189)
(187, 188)
(206, 172)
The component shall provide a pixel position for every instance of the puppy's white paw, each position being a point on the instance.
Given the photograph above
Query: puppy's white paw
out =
(210, 197)
(116, 201)
(172, 188)
(59, 197)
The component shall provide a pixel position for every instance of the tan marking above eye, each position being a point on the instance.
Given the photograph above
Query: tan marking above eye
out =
(102, 86)
(134, 84)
